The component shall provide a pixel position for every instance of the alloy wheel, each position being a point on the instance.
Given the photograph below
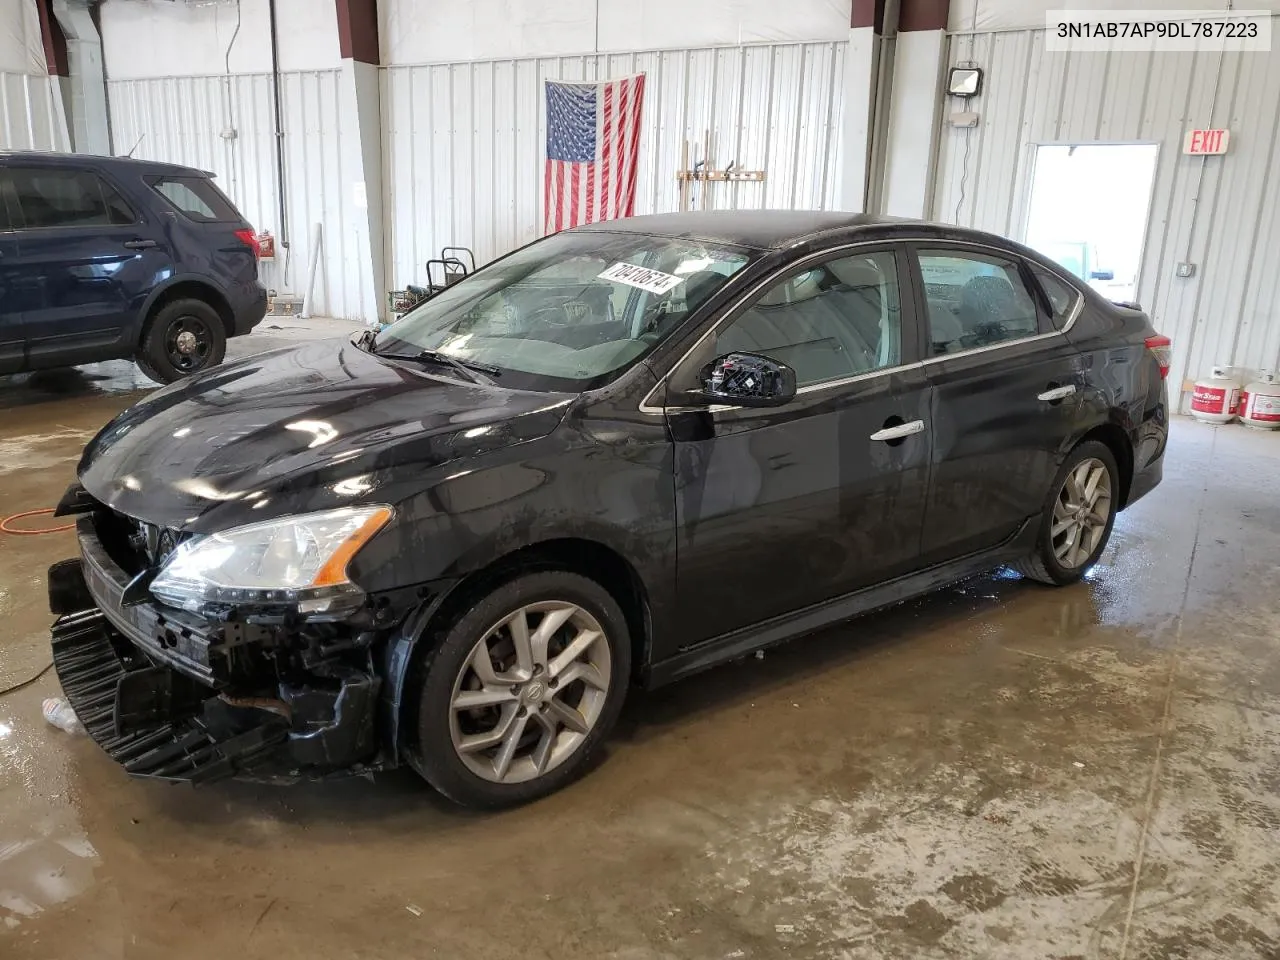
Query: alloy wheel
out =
(188, 342)
(530, 691)
(1081, 514)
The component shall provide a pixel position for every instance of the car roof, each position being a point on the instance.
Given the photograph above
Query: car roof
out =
(85, 161)
(763, 229)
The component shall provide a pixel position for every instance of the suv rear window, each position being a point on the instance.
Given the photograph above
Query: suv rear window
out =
(195, 197)
(66, 198)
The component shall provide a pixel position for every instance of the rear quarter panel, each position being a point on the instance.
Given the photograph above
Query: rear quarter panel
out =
(1123, 385)
(209, 254)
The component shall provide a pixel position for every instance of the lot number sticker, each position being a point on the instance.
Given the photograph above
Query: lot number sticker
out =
(652, 280)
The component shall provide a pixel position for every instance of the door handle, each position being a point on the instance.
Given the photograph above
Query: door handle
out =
(139, 244)
(899, 431)
(1058, 393)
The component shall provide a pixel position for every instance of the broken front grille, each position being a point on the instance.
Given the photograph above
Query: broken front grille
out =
(134, 544)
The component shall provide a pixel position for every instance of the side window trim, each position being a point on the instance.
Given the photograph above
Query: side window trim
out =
(909, 347)
(110, 184)
(8, 203)
(960, 246)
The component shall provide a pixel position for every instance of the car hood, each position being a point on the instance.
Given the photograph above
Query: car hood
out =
(304, 428)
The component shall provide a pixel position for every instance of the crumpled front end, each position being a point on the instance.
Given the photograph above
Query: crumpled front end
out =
(179, 696)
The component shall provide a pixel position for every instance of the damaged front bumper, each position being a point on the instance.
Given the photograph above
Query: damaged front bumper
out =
(173, 696)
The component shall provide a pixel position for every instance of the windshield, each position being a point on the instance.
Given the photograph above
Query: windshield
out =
(568, 312)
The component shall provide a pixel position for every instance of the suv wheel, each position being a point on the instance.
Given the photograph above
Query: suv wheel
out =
(1077, 519)
(522, 690)
(183, 337)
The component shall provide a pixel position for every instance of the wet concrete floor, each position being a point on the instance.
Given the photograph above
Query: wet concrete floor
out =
(1000, 770)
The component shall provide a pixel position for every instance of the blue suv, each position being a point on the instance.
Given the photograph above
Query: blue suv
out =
(107, 257)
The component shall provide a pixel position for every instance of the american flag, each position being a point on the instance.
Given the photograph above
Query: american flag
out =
(593, 142)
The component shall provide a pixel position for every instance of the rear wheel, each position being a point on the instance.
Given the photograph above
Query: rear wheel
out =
(521, 692)
(184, 337)
(1077, 518)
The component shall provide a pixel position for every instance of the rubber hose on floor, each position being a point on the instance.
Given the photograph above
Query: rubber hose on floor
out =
(4, 524)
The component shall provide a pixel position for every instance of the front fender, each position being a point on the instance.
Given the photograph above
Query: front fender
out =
(621, 498)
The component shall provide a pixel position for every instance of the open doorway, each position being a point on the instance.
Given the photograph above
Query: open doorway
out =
(1088, 211)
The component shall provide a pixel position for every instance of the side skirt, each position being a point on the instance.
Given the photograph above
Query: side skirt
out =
(740, 643)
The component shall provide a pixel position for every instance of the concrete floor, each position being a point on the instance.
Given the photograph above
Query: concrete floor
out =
(997, 771)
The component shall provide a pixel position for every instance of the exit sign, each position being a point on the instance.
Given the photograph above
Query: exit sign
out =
(1206, 143)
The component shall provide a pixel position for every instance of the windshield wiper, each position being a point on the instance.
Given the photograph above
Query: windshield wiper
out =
(471, 369)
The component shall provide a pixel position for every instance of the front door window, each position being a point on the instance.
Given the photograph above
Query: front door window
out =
(828, 322)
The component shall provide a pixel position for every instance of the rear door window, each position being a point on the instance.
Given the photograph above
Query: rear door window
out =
(196, 198)
(66, 198)
(975, 300)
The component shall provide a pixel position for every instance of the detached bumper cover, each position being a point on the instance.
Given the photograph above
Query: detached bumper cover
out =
(168, 748)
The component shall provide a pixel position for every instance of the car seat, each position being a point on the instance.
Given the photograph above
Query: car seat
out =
(861, 299)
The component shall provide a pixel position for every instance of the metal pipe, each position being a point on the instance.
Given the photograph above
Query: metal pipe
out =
(282, 207)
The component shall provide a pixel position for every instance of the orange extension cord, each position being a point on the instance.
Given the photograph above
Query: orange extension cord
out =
(4, 524)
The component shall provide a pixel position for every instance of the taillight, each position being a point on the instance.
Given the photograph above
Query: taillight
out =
(1162, 349)
(248, 238)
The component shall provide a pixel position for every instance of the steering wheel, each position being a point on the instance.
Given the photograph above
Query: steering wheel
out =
(555, 314)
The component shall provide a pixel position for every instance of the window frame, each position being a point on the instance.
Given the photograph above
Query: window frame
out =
(8, 203)
(1045, 327)
(18, 214)
(1068, 280)
(682, 374)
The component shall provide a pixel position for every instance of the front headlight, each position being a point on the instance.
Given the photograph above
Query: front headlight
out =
(294, 561)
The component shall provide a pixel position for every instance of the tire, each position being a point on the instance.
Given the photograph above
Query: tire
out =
(182, 338)
(549, 730)
(1047, 563)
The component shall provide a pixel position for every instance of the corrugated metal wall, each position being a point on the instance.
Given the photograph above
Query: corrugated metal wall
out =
(30, 118)
(1229, 312)
(181, 120)
(463, 143)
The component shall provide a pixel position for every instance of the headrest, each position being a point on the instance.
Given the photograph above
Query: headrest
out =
(803, 286)
(699, 285)
(988, 288)
(857, 274)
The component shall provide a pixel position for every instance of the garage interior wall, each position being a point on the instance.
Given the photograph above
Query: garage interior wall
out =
(205, 80)
(32, 114)
(181, 120)
(462, 109)
(464, 125)
(1220, 213)
(463, 143)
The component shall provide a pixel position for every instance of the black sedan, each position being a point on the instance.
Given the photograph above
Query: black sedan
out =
(616, 456)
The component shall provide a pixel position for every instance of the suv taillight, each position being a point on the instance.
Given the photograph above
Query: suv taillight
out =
(248, 238)
(1162, 349)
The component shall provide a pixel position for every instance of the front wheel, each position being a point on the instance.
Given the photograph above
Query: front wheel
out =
(1077, 519)
(522, 690)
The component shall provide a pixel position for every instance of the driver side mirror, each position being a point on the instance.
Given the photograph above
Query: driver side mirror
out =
(747, 380)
